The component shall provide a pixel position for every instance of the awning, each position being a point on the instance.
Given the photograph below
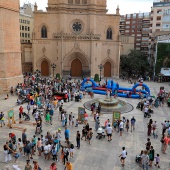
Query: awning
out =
(165, 71)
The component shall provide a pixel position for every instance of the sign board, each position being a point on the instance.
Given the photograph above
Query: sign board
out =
(11, 115)
(81, 112)
(116, 116)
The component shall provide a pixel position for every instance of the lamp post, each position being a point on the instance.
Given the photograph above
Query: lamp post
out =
(37, 73)
(53, 66)
(101, 68)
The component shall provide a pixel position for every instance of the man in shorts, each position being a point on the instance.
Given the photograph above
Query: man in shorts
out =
(123, 156)
(109, 132)
(121, 127)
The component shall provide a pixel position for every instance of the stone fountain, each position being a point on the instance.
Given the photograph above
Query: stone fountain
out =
(110, 104)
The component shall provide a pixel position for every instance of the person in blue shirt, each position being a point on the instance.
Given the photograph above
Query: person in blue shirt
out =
(67, 134)
(51, 115)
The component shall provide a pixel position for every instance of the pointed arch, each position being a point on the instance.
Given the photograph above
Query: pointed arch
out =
(43, 32)
(75, 55)
(109, 67)
(109, 33)
(39, 63)
(45, 68)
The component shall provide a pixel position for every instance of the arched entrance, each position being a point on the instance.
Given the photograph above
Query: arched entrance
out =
(107, 69)
(76, 68)
(44, 68)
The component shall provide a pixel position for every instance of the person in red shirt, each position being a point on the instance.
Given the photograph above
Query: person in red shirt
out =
(12, 136)
(20, 113)
(85, 118)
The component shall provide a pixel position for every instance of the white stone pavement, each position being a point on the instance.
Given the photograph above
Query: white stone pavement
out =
(101, 155)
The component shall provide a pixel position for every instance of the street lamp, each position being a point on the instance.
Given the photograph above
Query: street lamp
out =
(37, 73)
(53, 66)
(101, 68)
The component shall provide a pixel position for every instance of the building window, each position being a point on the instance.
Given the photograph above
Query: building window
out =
(28, 41)
(22, 27)
(43, 32)
(70, 1)
(28, 35)
(22, 34)
(77, 1)
(158, 25)
(28, 28)
(109, 33)
(25, 34)
(21, 20)
(158, 18)
(25, 28)
(28, 22)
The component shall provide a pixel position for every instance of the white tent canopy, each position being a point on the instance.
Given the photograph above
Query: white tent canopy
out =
(165, 71)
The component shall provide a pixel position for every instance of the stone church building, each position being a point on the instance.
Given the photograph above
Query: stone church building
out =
(77, 36)
(10, 50)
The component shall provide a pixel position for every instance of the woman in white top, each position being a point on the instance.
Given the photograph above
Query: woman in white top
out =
(123, 156)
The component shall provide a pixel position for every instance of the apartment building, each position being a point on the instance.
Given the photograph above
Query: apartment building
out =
(137, 25)
(160, 25)
(26, 23)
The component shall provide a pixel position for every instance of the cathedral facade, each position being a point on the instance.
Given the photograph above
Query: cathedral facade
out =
(77, 36)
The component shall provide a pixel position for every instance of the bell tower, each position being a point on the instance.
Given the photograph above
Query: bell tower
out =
(10, 51)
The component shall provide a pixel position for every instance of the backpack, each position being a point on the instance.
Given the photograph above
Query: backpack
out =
(72, 146)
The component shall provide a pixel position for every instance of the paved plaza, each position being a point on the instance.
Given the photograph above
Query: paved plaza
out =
(101, 155)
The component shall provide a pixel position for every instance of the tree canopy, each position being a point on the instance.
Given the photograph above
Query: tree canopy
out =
(134, 63)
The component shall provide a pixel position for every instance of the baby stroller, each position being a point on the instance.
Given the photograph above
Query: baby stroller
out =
(38, 128)
(77, 98)
(138, 158)
(100, 133)
(150, 111)
(138, 105)
(27, 117)
(40, 112)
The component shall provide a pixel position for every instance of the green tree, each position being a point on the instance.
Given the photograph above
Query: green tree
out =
(96, 77)
(134, 63)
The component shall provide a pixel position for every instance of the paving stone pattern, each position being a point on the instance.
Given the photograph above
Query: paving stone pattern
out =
(101, 155)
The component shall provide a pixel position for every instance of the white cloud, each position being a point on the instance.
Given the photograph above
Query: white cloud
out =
(126, 6)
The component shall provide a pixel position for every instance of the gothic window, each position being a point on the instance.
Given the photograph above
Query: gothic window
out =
(84, 2)
(109, 34)
(43, 32)
(77, 1)
(70, 1)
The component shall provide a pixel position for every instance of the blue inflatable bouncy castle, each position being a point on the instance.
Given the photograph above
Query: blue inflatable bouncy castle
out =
(115, 88)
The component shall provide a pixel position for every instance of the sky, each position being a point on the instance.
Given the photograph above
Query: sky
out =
(126, 6)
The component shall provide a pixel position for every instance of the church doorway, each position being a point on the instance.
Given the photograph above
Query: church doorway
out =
(107, 69)
(76, 68)
(44, 68)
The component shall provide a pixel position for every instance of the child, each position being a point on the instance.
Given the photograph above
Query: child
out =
(19, 145)
(77, 123)
(157, 160)
(54, 153)
(72, 121)
(10, 123)
(16, 156)
(115, 125)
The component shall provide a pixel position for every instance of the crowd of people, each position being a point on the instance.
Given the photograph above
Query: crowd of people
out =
(40, 96)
